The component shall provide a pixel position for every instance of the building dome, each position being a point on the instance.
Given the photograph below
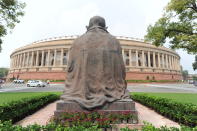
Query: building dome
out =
(47, 60)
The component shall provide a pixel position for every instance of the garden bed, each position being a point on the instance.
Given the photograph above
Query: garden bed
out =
(16, 110)
(184, 113)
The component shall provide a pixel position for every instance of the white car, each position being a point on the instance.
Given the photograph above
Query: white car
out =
(36, 83)
(19, 81)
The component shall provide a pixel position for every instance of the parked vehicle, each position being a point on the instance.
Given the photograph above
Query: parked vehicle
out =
(1, 81)
(36, 83)
(195, 83)
(190, 81)
(19, 81)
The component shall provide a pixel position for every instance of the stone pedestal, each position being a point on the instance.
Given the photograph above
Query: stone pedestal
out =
(126, 105)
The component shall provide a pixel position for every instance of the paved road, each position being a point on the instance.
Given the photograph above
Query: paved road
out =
(178, 88)
(11, 87)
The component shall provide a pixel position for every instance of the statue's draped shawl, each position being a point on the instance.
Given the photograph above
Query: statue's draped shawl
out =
(96, 72)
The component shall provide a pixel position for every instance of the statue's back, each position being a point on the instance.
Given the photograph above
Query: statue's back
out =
(96, 72)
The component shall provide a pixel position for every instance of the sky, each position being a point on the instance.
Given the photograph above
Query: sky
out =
(53, 18)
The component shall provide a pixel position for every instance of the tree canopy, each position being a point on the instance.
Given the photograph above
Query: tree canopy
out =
(195, 63)
(185, 74)
(10, 11)
(178, 25)
(3, 72)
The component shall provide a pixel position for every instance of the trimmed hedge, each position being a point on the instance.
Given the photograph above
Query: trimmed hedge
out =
(7, 126)
(182, 113)
(147, 81)
(17, 110)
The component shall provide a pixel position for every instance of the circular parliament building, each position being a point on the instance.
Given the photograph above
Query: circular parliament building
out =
(47, 60)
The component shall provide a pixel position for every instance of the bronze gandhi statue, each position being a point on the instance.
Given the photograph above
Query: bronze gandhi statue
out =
(96, 72)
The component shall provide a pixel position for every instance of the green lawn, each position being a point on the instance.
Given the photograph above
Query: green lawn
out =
(179, 97)
(8, 97)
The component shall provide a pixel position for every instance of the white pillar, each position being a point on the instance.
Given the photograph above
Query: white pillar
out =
(37, 58)
(42, 60)
(159, 60)
(20, 60)
(130, 60)
(169, 64)
(17, 61)
(55, 55)
(163, 61)
(27, 62)
(176, 64)
(149, 59)
(62, 57)
(48, 58)
(32, 58)
(68, 53)
(123, 55)
(143, 64)
(173, 62)
(136, 55)
(167, 61)
(154, 64)
(13, 57)
(23, 59)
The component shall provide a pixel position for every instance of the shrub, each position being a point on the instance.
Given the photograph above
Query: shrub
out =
(7, 126)
(17, 110)
(182, 113)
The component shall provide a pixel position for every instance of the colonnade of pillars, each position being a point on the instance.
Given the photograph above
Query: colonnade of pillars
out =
(132, 58)
(150, 59)
(55, 57)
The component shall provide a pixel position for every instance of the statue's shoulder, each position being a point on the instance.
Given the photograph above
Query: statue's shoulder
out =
(78, 39)
(113, 38)
(95, 36)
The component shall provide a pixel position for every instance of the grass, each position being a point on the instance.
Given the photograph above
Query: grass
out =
(178, 97)
(8, 97)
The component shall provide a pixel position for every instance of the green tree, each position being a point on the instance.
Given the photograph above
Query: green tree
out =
(195, 63)
(10, 11)
(3, 72)
(178, 25)
(185, 74)
(195, 78)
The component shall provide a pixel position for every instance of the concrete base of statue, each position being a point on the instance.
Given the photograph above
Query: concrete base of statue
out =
(120, 106)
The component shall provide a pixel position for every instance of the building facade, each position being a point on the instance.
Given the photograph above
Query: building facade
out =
(47, 60)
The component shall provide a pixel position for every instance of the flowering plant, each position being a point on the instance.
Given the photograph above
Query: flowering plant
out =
(103, 119)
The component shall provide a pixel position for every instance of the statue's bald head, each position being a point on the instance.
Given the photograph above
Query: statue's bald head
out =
(97, 21)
